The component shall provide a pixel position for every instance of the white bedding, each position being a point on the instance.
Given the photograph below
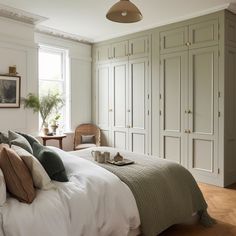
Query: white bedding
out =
(94, 203)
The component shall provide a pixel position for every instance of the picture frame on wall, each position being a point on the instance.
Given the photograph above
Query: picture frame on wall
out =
(10, 91)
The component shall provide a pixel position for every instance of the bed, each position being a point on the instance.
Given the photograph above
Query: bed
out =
(97, 201)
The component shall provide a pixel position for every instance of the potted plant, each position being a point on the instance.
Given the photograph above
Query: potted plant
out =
(54, 123)
(45, 105)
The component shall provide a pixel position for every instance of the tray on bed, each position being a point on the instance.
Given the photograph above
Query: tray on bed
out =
(121, 163)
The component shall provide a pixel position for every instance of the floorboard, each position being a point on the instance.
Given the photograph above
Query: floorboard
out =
(221, 206)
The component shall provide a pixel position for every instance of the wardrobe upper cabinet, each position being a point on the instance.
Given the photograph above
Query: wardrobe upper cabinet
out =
(120, 50)
(203, 34)
(138, 47)
(174, 40)
(123, 50)
(103, 53)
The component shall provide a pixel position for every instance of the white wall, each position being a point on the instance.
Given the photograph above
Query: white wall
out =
(19, 46)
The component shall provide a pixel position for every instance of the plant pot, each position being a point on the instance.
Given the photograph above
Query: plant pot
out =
(54, 128)
(45, 130)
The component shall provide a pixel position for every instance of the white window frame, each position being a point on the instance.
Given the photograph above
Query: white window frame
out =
(65, 80)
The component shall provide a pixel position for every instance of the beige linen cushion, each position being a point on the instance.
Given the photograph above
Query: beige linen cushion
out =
(3, 191)
(40, 177)
(17, 176)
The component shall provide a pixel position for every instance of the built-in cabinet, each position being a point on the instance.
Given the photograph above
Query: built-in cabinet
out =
(189, 96)
(170, 92)
(122, 82)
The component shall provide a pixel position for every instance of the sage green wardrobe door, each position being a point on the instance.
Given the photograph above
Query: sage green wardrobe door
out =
(120, 104)
(138, 47)
(174, 40)
(173, 103)
(103, 53)
(138, 105)
(120, 50)
(203, 116)
(203, 34)
(103, 106)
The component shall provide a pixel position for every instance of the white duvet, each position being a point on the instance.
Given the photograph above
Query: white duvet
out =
(94, 203)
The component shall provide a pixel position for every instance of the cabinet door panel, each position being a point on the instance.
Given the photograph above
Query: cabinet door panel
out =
(103, 80)
(173, 120)
(120, 139)
(120, 50)
(139, 47)
(172, 149)
(138, 102)
(203, 155)
(138, 143)
(203, 103)
(103, 53)
(120, 103)
(174, 40)
(203, 34)
(120, 81)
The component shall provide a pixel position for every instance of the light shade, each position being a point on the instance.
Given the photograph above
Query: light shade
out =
(124, 11)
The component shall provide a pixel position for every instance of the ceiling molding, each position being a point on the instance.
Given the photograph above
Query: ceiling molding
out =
(62, 35)
(20, 15)
(232, 7)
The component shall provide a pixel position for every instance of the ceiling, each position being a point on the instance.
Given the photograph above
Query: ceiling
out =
(86, 18)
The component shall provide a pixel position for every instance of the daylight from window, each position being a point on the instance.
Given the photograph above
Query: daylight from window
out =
(53, 79)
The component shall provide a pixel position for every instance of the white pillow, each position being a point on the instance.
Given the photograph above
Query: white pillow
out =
(3, 191)
(40, 177)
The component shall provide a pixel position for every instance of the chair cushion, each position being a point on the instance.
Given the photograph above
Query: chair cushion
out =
(40, 177)
(51, 162)
(85, 145)
(20, 141)
(87, 139)
(17, 176)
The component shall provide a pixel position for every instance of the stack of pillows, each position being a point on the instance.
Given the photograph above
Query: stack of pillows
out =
(26, 165)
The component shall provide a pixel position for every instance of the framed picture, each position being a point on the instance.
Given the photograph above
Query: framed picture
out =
(9, 91)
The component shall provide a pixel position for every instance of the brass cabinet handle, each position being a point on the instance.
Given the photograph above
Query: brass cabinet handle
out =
(187, 111)
(187, 131)
(128, 126)
(110, 110)
(188, 44)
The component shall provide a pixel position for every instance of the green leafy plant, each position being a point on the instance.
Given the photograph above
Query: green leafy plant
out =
(45, 105)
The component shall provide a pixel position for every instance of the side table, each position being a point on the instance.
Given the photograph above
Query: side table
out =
(53, 137)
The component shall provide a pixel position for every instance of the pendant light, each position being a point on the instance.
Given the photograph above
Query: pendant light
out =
(124, 11)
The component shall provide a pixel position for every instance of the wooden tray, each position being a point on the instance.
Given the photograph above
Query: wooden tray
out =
(121, 163)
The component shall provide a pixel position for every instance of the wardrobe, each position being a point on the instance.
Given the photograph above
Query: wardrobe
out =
(171, 92)
(122, 93)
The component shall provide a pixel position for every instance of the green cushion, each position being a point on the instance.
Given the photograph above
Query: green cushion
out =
(51, 162)
(29, 138)
(18, 140)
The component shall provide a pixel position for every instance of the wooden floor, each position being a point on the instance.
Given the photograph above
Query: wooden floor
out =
(221, 206)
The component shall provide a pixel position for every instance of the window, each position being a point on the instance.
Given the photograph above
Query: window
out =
(53, 78)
